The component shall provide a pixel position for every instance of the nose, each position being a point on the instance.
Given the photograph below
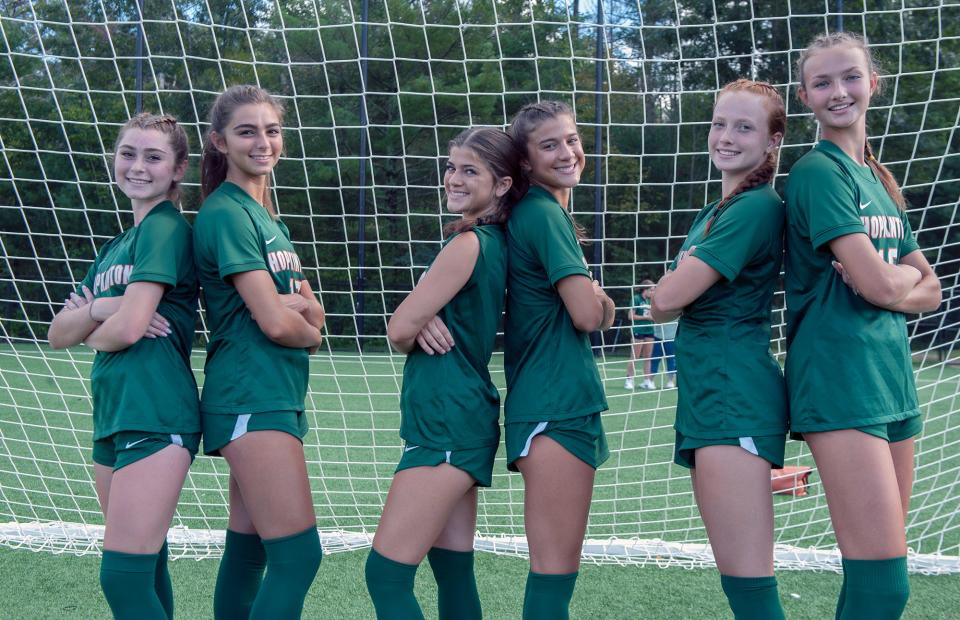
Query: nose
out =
(262, 141)
(565, 150)
(839, 91)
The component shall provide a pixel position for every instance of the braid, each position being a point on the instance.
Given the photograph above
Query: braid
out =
(886, 177)
(761, 175)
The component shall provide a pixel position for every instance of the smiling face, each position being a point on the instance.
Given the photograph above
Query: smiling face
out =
(555, 156)
(471, 188)
(837, 84)
(145, 166)
(740, 138)
(252, 141)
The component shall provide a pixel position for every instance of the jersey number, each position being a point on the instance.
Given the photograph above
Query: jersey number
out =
(892, 255)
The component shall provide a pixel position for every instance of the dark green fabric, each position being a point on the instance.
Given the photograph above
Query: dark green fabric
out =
(148, 386)
(390, 585)
(457, 596)
(547, 597)
(127, 580)
(449, 401)
(245, 371)
(875, 589)
(753, 598)
(848, 362)
(292, 563)
(843, 597)
(728, 382)
(550, 369)
(161, 581)
(241, 571)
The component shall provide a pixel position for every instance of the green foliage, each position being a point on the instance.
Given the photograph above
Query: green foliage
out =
(370, 128)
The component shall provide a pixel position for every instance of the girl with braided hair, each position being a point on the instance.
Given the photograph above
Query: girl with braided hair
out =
(853, 269)
(731, 417)
(137, 308)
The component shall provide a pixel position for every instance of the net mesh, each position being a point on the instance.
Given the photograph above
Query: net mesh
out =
(373, 94)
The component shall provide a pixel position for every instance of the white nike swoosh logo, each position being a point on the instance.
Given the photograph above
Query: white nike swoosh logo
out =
(862, 207)
(130, 444)
(271, 239)
(409, 448)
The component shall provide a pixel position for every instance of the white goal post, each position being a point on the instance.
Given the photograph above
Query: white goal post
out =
(374, 90)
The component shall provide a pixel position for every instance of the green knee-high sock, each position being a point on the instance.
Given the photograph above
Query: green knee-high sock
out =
(161, 581)
(752, 598)
(292, 563)
(238, 581)
(127, 582)
(456, 585)
(390, 585)
(842, 599)
(547, 597)
(876, 589)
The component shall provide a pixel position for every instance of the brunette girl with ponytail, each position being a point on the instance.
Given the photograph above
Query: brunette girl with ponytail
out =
(264, 322)
(853, 269)
(731, 417)
(449, 407)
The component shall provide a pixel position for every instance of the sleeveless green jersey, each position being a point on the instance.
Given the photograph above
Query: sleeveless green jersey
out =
(148, 386)
(551, 373)
(848, 361)
(729, 384)
(245, 372)
(448, 401)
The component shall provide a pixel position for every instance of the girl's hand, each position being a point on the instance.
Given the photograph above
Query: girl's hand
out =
(159, 327)
(295, 301)
(846, 277)
(435, 338)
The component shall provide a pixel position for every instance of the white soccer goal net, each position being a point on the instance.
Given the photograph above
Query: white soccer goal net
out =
(373, 93)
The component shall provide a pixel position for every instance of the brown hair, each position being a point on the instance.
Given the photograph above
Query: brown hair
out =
(838, 39)
(213, 163)
(776, 124)
(526, 121)
(168, 126)
(501, 157)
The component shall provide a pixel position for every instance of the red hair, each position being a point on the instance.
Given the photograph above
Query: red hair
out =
(776, 124)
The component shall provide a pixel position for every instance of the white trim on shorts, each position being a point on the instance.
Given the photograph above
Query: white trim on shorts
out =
(176, 440)
(240, 429)
(747, 444)
(539, 428)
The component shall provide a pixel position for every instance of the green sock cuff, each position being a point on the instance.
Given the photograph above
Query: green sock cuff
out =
(243, 540)
(446, 562)
(385, 561)
(870, 574)
(307, 534)
(551, 578)
(747, 583)
(120, 562)
(440, 554)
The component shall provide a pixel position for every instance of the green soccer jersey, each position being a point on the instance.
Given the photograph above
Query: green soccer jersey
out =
(245, 372)
(148, 386)
(551, 373)
(848, 361)
(449, 402)
(641, 307)
(729, 384)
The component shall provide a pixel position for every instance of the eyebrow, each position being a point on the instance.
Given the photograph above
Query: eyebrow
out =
(148, 150)
(569, 135)
(847, 70)
(252, 126)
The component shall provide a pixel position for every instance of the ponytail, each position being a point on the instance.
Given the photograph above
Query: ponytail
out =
(776, 124)
(886, 177)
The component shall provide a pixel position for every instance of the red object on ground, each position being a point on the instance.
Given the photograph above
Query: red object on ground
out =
(791, 480)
